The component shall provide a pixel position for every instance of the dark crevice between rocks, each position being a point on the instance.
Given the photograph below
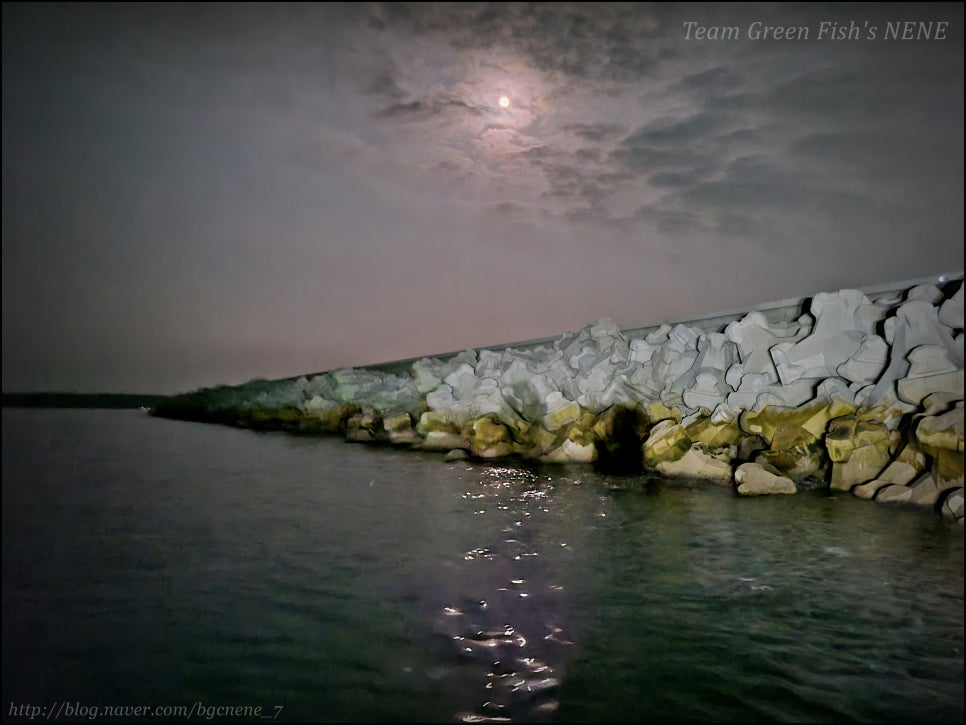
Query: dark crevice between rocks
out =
(618, 443)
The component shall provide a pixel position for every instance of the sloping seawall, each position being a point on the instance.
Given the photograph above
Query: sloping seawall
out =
(858, 390)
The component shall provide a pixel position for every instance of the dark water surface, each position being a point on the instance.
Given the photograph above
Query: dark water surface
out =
(163, 563)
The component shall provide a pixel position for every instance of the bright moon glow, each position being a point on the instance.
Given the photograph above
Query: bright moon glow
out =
(504, 102)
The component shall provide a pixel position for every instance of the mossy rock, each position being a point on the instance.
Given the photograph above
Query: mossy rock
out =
(366, 427)
(581, 431)
(656, 411)
(808, 460)
(402, 423)
(812, 417)
(667, 442)
(848, 433)
(561, 416)
(714, 436)
(488, 437)
(433, 421)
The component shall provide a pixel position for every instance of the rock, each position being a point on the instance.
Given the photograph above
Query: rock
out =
(560, 411)
(488, 437)
(835, 389)
(442, 401)
(586, 358)
(868, 362)
(598, 377)
(486, 399)
(425, 375)
(859, 450)
(658, 336)
(889, 409)
(533, 440)
(904, 468)
(656, 411)
(931, 370)
(842, 321)
(748, 446)
(714, 436)
(915, 323)
(463, 381)
(572, 452)
(667, 442)
(928, 292)
(526, 391)
(608, 339)
(674, 400)
(580, 444)
(489, 365)
(617, 392)
(716, 354)
(938, 403)
(697, 463)
(951, 311)
(925, 490)
(754, 480)
(750, 386)
(438, 433)
(848, 433)
(795, 435)
(941, 438)
(754, 339)
(467, 357)
(794, 330)
(953, 505)
(353, 385)
(667, 365)
(791, 395)
(942, 431)
(641, 351)
(801, 462)
(707, 391)
(862, 466)
(868, 490)
(457, 454)
(365, 428)
(892, 493)
(399, 429)
(318, 404)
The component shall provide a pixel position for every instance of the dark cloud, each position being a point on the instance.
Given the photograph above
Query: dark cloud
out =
(384, 85)
(594, 131)
(421, 110)
(675, 133)
(671, 179)
(604, 41)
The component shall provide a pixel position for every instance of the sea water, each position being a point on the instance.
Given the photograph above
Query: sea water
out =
(198, 571)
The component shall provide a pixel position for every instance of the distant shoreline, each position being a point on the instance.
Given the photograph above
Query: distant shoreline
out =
(81, 400)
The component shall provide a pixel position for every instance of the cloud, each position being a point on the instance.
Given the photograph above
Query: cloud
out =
(596, 132)
(424, 109)
(603, 41)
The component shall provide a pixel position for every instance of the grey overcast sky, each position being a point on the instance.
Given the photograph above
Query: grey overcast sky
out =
(203, 194)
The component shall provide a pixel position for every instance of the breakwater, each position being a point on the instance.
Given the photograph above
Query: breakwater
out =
(857, 391)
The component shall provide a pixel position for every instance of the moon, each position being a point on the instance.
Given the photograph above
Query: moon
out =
(504, 102)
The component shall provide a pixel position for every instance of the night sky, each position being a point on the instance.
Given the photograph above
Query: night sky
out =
(203, 194)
